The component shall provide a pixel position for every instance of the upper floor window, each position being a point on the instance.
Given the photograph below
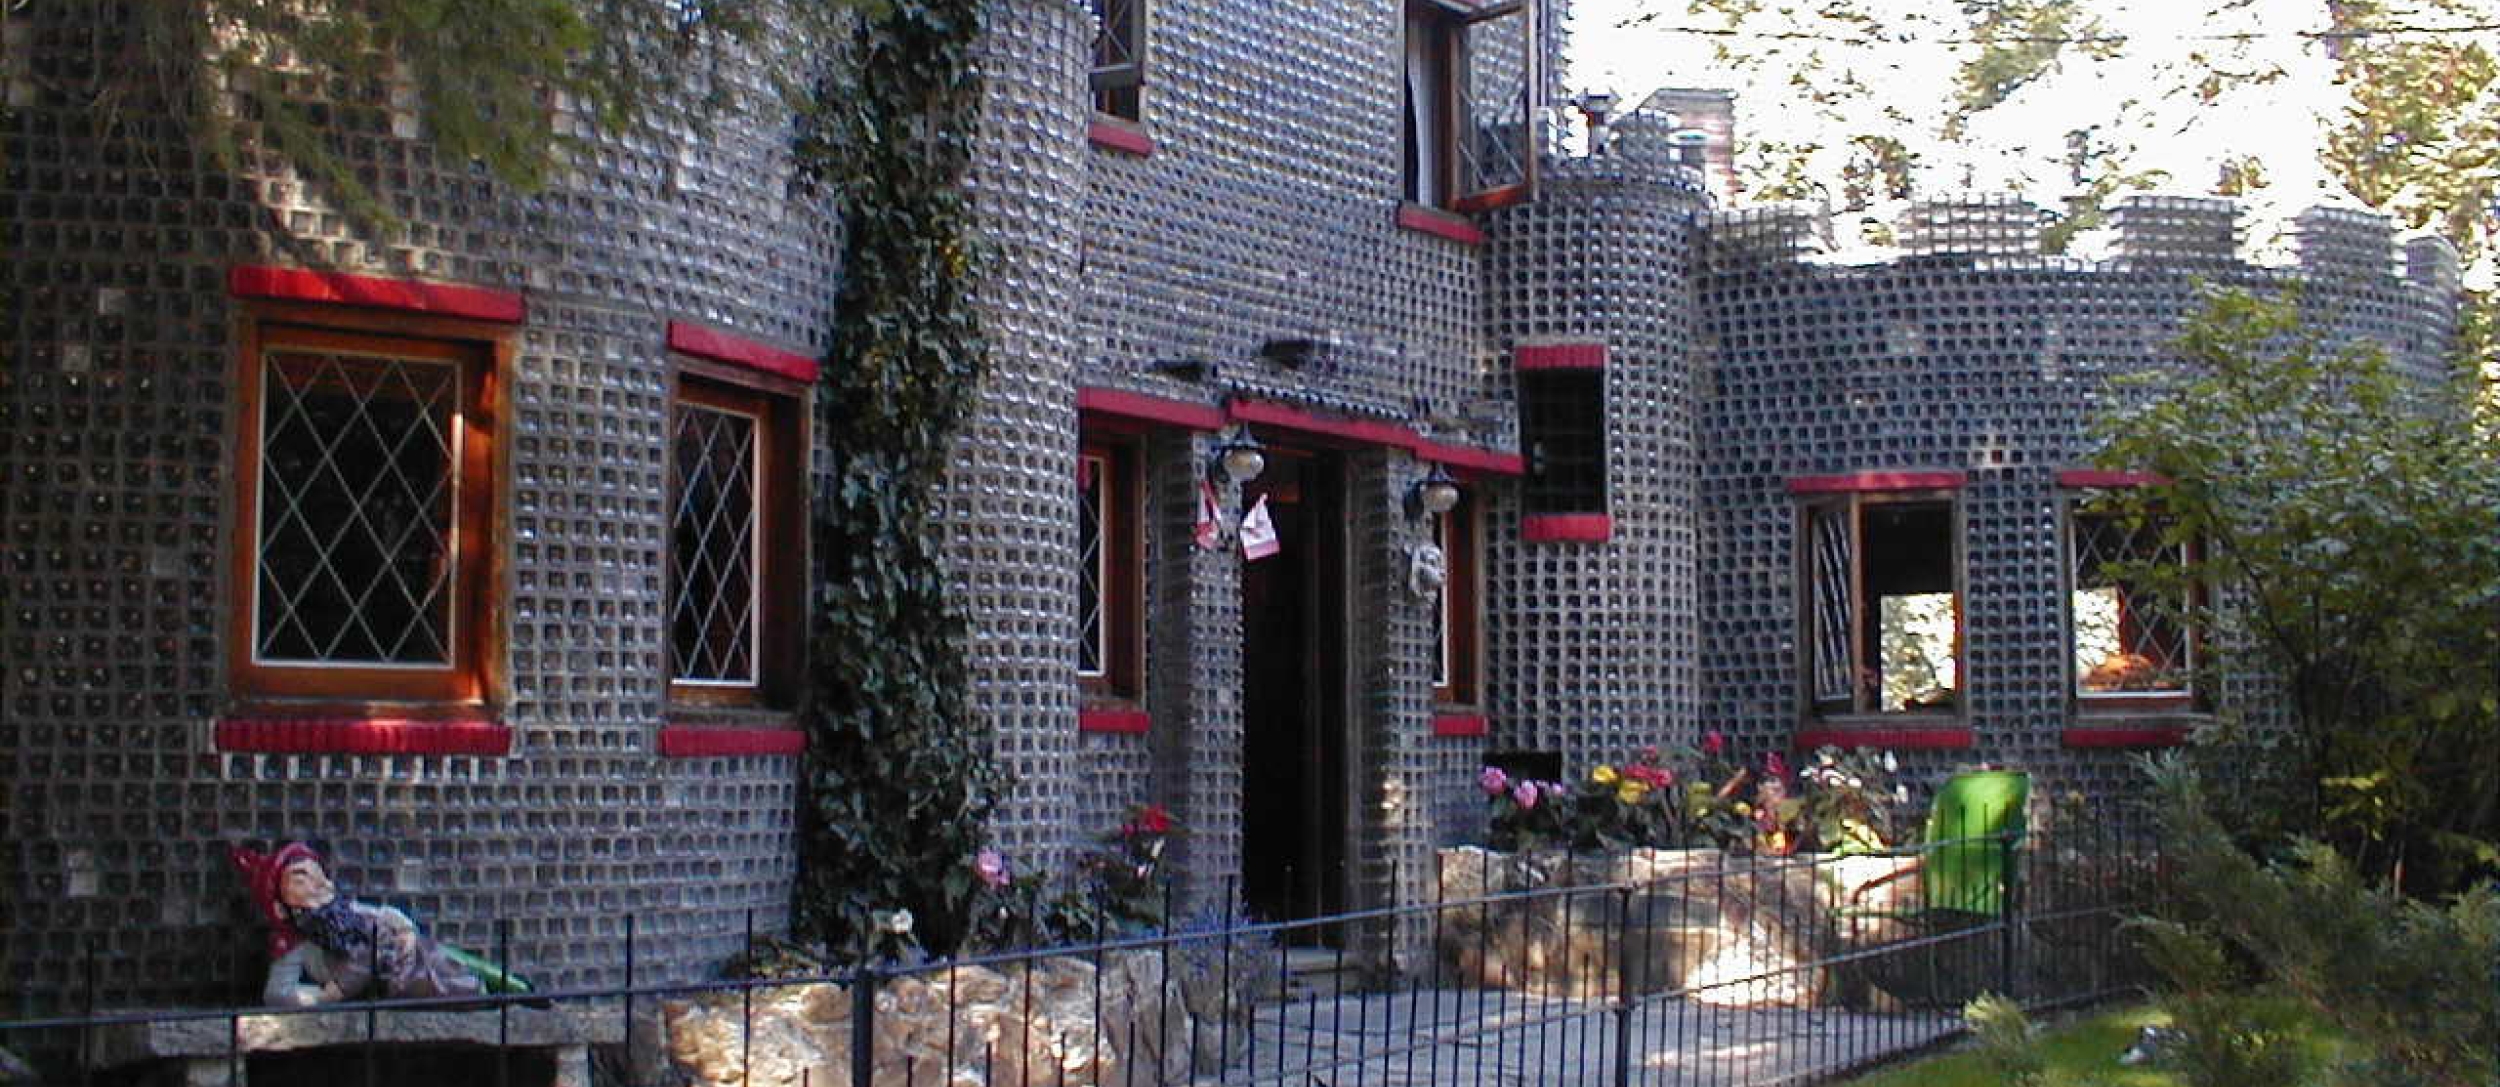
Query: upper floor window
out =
(1467, 129)
(1119, 69)
(1882, 603)
(366, 484)
(734, 545)
(1110, 575)
(1562, 427)
(2132, 647)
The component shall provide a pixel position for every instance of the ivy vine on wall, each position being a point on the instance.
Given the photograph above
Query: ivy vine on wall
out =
(900, 776)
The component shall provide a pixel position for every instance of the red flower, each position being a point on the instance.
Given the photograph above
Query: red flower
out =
(1712, 743)
(1151, 819)
(1652, 776)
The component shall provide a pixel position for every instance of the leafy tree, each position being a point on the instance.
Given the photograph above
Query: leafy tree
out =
(2348, 525)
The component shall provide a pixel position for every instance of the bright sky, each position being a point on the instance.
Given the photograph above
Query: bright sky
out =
(2021, 144)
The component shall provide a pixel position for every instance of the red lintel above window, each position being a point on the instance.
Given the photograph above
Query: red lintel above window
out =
(682, 742)
(1439, 224)
(1850, 482)
(1149, 409)
(1559, 356)
(415, 296)
(1345, 431)
(718, 346)
(363, 736)
(1898, 739)
(1459, 724)
(1566, 527)
(2103, 477)
(1123, 721)
(1112, 134)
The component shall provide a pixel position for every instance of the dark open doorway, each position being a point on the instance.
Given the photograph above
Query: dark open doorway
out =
(1296, 775)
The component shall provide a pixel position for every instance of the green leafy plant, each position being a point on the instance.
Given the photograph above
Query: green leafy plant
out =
(2407, 981)
(1842, 802)
(1612, 807)
(1119, 890)
(2339, 522)
(900, 773)
(2008, 1041)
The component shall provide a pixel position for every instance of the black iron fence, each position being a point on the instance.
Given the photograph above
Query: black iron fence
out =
(1649, 967)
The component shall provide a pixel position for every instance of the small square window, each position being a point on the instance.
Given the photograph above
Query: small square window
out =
(1119, 69)
(1562, 425)
(365, 483)
(1882, 604)
(2132, 646)
(735, 544)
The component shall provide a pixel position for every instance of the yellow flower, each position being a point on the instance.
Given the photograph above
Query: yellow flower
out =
(1631, 792)
(1603, 775)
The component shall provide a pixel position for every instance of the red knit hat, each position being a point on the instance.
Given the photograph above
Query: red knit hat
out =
(262, 874)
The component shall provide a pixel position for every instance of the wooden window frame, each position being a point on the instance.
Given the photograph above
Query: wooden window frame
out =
(1428, 161)
(779, 406)
(1123, 574)
(1461, 649)
(2119, 703)
(475, 674)
(1119, 86)
(1855, 504)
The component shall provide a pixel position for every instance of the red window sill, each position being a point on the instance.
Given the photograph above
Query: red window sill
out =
(1439, 224)
(362, 736)
(1117, 134)
(1894, 737)
(1126, 722)
(2104, 736)
(703, 742)
(736, 350)
(1566, 527)
(1459, 724)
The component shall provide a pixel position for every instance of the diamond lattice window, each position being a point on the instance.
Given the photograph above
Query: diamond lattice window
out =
(2129, 641)
(1110, 573)
(712, 546)
(364, 487)
(1093, 487)
(1119, 69)
(1882, 604)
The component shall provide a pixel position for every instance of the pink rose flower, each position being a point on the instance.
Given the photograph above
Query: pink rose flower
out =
(1774, 765)
(1525, 795)
(1712, 742)
(1493, 781)
(991, 868)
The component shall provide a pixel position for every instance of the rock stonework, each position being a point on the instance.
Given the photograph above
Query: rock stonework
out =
(1056, 1021)
(1727, 931)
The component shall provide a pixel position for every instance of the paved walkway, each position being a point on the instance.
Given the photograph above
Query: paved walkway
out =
(1479, 1038)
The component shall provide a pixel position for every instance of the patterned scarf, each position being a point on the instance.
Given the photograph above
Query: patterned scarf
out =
(341, 929)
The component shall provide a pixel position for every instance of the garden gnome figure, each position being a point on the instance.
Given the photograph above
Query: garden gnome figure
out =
(325, 947)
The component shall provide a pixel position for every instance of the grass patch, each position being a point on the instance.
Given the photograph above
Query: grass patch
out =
(2079, 1051)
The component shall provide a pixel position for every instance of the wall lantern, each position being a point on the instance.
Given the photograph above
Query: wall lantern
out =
(1237, 459)
(1433, 495)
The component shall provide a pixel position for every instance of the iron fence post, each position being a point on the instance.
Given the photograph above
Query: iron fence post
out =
(1623, 986)
(2009, 882)
(864, 1026)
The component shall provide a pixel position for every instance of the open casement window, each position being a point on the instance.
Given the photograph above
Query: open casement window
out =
(365, 485)
(735, 542)
(1458, 617)
(1119, 70)
(1562, 427)
(1471, 97)
(2132, 648)
(1110, 575)
(1882, 604)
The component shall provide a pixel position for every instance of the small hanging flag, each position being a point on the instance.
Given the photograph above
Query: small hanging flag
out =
(1210, 530)
(1258, 532)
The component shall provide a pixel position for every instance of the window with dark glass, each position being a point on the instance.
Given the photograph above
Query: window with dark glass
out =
(1109, 575)
(2132, 647)
(365, 481)
(1467, 130)
(1562, 426)
(733, 545)
(1882, 607)
(1457, 620)
(1119, 69)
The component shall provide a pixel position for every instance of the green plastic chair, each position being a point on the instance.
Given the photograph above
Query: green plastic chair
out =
(1964, 871)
